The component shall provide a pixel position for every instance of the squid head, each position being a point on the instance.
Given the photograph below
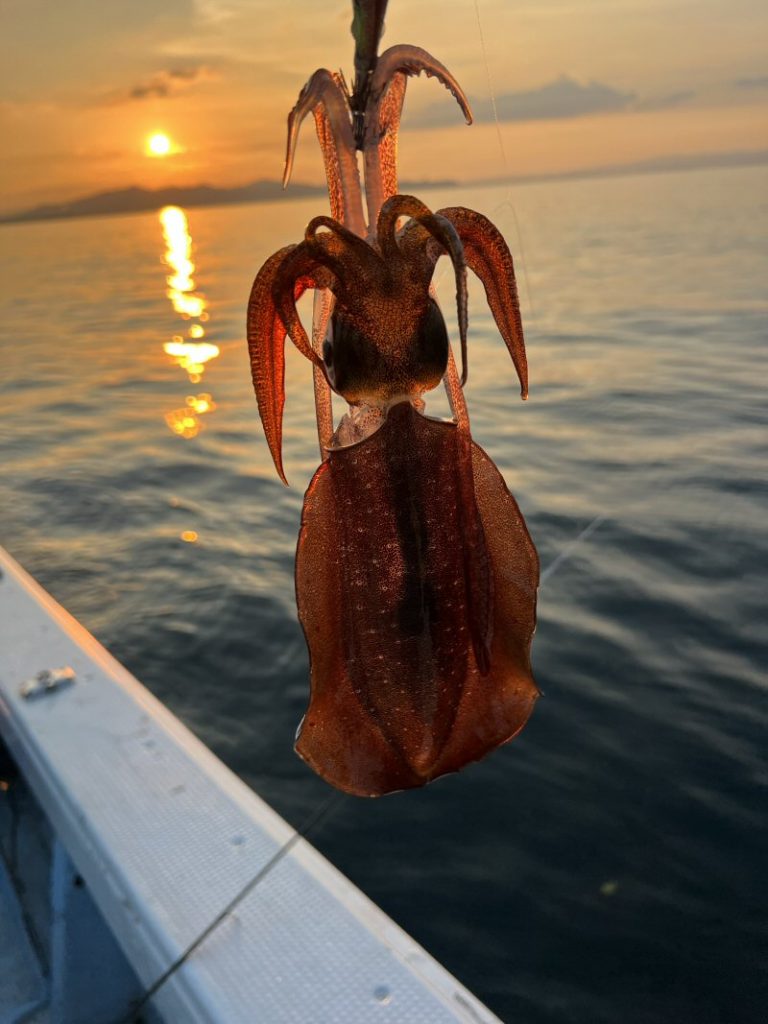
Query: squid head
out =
(416, 577)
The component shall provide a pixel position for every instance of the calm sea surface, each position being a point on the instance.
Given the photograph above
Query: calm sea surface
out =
(612, 863)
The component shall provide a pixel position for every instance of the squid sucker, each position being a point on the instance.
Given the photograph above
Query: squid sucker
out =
(416, 576)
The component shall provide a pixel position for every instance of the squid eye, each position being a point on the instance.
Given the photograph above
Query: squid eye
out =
(327, 353)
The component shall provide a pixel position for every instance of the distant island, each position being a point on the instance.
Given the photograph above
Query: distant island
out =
(142, 200)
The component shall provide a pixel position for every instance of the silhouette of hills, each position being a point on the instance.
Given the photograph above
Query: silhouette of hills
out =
(138, 200)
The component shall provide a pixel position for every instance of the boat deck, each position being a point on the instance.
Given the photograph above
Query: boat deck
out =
(158, 836)
(23, 989)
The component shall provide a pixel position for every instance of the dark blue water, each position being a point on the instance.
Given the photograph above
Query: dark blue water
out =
(611, 863)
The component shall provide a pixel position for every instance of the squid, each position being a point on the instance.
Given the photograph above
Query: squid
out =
(416, 576)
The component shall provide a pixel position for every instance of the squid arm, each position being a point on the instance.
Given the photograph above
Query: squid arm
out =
(382, 118)
(321, 315)
(267, 328)
(326, 98)
(488, 256)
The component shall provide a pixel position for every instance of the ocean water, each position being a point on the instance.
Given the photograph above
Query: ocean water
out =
(611, 863)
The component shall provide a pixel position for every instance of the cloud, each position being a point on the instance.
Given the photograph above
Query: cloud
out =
(757, 82)
(665, 102)
(162, 84)
(48, 46)
(562, 98)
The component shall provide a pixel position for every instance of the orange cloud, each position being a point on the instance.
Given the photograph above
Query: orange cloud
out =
(161, 85)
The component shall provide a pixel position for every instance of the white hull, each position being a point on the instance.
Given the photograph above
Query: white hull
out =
(149, 837)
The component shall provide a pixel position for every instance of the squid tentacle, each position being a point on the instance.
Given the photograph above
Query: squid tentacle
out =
(341, 239)
(339, 255)
(299, 267)
(488, 256)
(413, 60)
(272, 316)
(380, 148)
(455, 393)
(325, 97)
(266, 348)
(445, 235)
(321, 316)
(382, 118)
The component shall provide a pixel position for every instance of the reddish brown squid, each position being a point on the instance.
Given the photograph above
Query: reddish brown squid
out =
(416, 577)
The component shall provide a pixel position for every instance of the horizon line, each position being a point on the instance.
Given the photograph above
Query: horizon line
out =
(231, 195)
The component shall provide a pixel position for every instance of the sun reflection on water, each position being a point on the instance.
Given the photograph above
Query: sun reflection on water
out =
(191, 355)
(186, 421)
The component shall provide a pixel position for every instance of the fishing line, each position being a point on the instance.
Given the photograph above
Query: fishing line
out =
(566, 554)
(491, 90)
(330, 803)
(503, 150)
(600, 518)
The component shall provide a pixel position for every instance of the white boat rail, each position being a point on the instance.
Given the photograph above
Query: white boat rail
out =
(162, 836)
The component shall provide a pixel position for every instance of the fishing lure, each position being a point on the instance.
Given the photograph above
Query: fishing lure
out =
(416, 576)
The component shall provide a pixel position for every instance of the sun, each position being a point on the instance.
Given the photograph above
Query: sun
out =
(158, 144)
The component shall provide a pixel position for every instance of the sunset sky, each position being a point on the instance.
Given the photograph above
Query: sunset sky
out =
(85, 83)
